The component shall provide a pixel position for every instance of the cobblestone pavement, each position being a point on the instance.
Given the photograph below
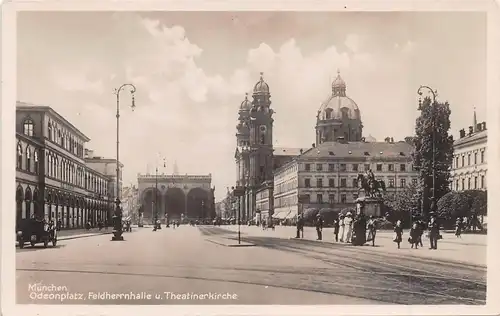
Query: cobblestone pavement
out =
(354, 271)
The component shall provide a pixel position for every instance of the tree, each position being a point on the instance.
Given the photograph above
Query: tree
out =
(453, 205)
(432, 127)
(404, 203)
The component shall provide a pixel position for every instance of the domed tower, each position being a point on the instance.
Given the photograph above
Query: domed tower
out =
(243, 130)
(261, 134)
(338, 117)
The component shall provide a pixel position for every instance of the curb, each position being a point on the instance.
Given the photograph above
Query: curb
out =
(82, 236)
(243, 244)
(440, 261)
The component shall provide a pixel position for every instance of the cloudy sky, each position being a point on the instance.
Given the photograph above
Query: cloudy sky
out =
(192, 70)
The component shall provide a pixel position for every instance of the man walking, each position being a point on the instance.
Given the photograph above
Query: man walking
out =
(319, 226)
(336, 226)
(300, 226)
(433, 232)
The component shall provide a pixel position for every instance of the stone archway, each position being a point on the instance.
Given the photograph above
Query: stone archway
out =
(148, 203)
(198, 204)
(19, 204)
(174, 203)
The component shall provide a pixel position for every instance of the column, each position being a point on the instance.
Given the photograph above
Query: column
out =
(23, 209)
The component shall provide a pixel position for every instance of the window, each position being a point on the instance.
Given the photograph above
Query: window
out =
(331, 183)
(28, 127)
(463, 161)
(307, 183)
(475, 158)
(331, 198)
(343, 167)
(468, 183)
(319, 198)
(307, 199)
(355, 167)
(331, 167)
(19, 156)
(391, 167)
(319, 167)
(50, 131)
(482, 182)
(456, 162)
(463, 184)
(457, 185)
(308, 167)
(475, 182)
(319, 183)
(402, 183)
(367, 167)
(28, 159)
(402, 167)
(391, 182)
(379, 167)
(35, 154)
(414, 181)
(482, 156)
(343, 198)
(468, 160)
(354, 196)
(354, 183)
(343, 183)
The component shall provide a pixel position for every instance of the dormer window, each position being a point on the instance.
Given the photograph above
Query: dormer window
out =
(331, 153)
(401, 153)
(367, 153)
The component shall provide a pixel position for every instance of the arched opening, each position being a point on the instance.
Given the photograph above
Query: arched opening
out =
(36, 204)
(175, 203)
(148, 204)
(19, 205)
(28, 198)
(198, 204)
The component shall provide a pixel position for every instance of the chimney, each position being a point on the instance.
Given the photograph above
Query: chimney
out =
(471, 130)
(484, 126)
(387, 139)
(301, 151)
(363, 139)
(392, 140)
(89, 153)
(479, 127)
(462, 133)
(313, 145)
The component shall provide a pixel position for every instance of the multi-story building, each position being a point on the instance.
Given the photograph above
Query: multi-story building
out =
(51, 176)
(326, 175)
(107, 167)
(470, 167)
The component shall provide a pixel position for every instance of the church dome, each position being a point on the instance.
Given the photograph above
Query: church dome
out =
(246, 105)
(338, 105)
(261, 87)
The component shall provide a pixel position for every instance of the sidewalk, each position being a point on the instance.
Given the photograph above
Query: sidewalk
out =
(80, 233)
(470, 249)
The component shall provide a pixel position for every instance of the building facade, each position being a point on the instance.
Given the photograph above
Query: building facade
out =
(177, 196)
(52, 179)
(326, 175)
(107, 167)
(470, 165)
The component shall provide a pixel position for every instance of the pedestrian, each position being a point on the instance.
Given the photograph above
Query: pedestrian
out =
(336, 226)
(372, 230)
(319, 226)
(342, 228)
(348, 226)
(414, 235)
(458, 227)
(433, 232)
(398, 229)
(300, 227)
(421, 226)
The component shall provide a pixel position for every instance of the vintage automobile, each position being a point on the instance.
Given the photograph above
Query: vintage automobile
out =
(34, 232)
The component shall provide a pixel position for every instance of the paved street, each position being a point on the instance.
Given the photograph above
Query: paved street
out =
(276, 270)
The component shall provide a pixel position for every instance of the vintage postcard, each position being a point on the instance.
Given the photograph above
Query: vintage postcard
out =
(248, 160)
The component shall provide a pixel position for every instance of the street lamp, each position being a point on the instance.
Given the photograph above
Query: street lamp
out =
(434, 93)
(156, 190)
(117, 231)
(246, 183)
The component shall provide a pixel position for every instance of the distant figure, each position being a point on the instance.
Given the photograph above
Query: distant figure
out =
(398, 229)
(300, 227)
(372, 230)
(336, 226)
(348, 221)
(458, 227)
(433, 232)
(319, 226)
(414, 235)
(342, 228)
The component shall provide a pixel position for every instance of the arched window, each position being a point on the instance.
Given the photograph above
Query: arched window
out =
(57, 173)
(35, 154)
(27, 200)
(28, 158)
(50, 131)
(19, 156)
(49, 164)
(28, 127)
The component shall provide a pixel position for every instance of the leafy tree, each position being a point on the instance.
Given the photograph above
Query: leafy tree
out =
(403, 204)
(432, 127)
(463, 204)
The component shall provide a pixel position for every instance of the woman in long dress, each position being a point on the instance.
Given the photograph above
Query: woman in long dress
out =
(348, 227)
(342, 228)
(398, 229)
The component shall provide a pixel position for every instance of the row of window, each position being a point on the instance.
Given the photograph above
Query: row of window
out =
(355, 167)
(65, 139)
(479, 183)
(354, 182)
(60, 169)
(461, 158)
(292, 200)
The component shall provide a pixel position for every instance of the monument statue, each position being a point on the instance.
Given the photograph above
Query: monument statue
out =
(372, 187)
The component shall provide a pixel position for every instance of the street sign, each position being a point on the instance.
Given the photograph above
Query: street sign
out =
(239, 191)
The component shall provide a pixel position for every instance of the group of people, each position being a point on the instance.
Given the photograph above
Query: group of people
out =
(417, 230)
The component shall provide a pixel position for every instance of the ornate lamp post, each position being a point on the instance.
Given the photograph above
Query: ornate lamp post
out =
(434, 93)
(246, 182)
(156, 190)
(117, 231)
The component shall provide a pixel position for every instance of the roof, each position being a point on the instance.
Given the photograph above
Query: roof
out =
(25, 107)
(471, 138)
(360, 149)
(283, 151)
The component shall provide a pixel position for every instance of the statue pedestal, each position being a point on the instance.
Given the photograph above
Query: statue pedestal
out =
(369, 206)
